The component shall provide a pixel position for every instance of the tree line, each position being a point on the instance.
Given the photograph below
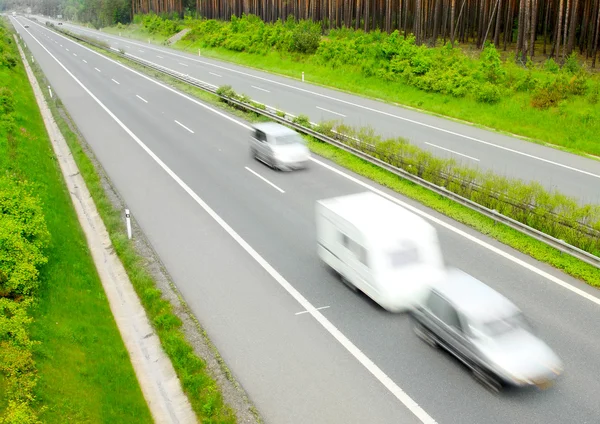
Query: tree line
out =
(553, 28)
(550, 27)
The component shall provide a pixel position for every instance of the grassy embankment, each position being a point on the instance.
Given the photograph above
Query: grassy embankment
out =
(506, 235)
(541, 101)
(84, 373)
(198, 384)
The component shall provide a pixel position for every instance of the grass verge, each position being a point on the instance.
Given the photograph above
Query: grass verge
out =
(500, 232)
(85, 374)
(198, 384)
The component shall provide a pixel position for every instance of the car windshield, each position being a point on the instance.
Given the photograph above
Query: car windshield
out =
(501, 326)
(287, 139)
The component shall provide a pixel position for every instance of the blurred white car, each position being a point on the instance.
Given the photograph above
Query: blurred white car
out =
(486, 332)
(278, 146)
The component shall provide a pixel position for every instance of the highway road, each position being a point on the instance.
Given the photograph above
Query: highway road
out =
(571, 174)
(238, 240)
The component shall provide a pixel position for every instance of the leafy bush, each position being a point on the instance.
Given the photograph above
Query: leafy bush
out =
(23, 236)
(302, 120)
(158, 25)
(306, 37)
(488, 93)
(549, 95)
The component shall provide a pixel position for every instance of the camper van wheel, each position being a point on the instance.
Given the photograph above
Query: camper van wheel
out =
(348, 283)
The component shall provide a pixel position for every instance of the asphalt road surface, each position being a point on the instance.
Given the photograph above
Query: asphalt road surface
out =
(239, 241)
(571, 174)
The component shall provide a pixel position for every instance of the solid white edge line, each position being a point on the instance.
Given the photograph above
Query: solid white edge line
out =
(331, 111)
(433, 127)
(451, 151)
(265, 180)
(112, 48)
(261, 89)
(115, 81)
(469, 237)
(332, 329)
(179, 123)
(141, 98)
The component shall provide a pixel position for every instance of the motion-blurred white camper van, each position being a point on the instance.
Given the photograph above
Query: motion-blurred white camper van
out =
(376, 246)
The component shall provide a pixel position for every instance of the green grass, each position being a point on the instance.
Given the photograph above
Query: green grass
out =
(199, 386)
(512, 115)
(500, 232)
(85, 372)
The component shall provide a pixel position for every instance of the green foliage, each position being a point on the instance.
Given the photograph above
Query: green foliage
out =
(306, 37)
(155, 24)
(302, 120)
(491, 65)
(488, 93)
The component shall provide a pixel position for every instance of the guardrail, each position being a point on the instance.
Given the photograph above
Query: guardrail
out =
(558, 244)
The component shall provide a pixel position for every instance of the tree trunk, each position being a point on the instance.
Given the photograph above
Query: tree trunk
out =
(573, 27)
(452, 12)
(567, 10)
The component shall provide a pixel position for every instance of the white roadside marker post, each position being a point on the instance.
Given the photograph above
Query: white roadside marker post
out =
(302, 76)
(128, 220)
(50, 91)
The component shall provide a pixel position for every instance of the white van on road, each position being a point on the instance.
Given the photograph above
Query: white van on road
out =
(379, 248)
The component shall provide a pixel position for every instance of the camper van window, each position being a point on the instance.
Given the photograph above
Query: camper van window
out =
(359, 251)
(403, 257)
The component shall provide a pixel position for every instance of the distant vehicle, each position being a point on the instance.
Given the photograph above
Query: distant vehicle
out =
(14, 14)
(278, 146)
(486, 332)
(26, 26)
(379, 248)
(60, 23)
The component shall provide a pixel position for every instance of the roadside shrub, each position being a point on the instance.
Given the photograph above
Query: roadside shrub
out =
(227, 91)
(8, 60)
(551, 66)
(302, 120)
(23, 236)
(7, 101)
(488, 93)
(491, 65)
(549, 95)
(306, 37)
(571, 65)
